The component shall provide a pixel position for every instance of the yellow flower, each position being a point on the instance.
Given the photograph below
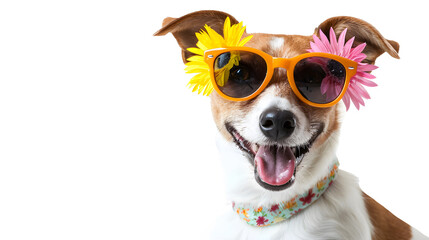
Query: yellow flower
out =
(291, 204)
(245, 213)
(222, 74)
(332, 173)
(210, 39)
(320, 185)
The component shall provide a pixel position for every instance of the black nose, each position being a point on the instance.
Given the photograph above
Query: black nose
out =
(277, 124)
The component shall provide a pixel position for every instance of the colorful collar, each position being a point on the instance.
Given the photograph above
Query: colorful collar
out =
(265, 216)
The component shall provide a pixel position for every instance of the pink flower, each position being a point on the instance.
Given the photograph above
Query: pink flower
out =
(330, 86)
(261, 221)
(274, 208)
(308, 198)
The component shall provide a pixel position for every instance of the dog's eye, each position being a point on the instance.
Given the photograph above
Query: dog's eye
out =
(336, 69)
(240, 74)
(223, 60)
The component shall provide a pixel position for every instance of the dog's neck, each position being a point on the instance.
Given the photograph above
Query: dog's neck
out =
(242, 188)
(261, 216)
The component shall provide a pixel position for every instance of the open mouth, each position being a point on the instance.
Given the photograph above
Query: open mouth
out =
(275, 165)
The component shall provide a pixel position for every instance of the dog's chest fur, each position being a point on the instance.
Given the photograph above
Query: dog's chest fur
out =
(339, 214)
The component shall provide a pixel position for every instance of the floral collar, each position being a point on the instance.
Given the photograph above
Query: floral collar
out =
(264, 216)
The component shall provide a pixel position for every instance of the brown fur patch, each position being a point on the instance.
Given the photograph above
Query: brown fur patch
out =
(386, 225)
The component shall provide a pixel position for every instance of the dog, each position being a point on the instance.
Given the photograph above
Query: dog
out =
(276, 124)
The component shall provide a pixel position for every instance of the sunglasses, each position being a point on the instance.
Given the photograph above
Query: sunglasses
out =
(241, 73)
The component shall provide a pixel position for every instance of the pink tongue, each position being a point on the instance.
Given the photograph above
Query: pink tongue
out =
(275, 166)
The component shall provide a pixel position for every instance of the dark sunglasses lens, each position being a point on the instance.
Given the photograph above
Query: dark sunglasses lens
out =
(320, 80)
(239, 74)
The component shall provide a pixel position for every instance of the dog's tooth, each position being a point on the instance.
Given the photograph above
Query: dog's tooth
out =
(242, 144)
(299, 159)
(254, 147)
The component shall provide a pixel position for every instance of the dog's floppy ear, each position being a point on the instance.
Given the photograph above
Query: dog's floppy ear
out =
(363, 32)
(184, 28)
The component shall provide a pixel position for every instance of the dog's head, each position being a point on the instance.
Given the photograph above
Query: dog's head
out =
(275, 138)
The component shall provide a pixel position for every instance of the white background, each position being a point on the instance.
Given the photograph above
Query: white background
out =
(101, 139)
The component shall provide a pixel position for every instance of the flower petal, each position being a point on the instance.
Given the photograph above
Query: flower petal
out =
(346, 100)
(341, 41)
(365, 75)
(245, 40)
(365, 81)
(361, 91)
(319, 44)
(357, 50)
(314, 47)
(197, 51)
(356, 98)
(347, 47)
(334, 43)
(325, 42)
(366, 67)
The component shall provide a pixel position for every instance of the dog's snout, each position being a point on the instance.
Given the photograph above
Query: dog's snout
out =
(277, 124)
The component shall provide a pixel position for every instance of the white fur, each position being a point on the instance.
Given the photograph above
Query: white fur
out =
(339, 214)
(416, 235)
(249, 126)
(277, 43)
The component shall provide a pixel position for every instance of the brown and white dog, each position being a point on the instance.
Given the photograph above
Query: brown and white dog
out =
(343, 211)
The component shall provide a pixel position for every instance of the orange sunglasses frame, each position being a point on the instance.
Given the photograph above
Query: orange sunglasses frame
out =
(287, 63)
